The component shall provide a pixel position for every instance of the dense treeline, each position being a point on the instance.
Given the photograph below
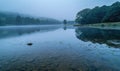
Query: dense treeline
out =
(18, 19)
(99, 14)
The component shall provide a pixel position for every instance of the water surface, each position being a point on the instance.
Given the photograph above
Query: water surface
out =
(59, 49)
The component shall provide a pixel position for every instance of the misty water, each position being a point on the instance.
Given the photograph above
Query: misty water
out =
(59, 48)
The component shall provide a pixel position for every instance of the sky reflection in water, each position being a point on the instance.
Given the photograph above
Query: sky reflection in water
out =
(57, 50)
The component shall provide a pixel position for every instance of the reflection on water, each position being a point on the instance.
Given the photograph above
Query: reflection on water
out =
(59, 50)
(110, 37)
(11, 31)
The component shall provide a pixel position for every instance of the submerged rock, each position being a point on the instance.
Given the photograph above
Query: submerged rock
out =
(114, 42)
(29, 44)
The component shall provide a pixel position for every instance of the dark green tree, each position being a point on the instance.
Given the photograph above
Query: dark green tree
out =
(81, 16)
(18, 20)
(113, 14)
(99, 14)
(65, 22)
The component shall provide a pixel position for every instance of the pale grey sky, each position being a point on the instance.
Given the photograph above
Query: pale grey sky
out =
(58, 9)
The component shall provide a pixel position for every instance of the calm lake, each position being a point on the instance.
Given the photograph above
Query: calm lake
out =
(59, 48)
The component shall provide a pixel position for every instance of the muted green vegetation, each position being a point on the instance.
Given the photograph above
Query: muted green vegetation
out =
(99, 15)
(113, 25)
(7, 18)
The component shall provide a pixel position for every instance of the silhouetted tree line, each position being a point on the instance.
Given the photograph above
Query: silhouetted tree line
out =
(16, 19)
(99, 14)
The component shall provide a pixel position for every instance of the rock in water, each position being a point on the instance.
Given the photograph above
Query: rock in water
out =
(29, 44)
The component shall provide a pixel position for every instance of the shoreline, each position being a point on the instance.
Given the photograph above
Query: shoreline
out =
(114, 25)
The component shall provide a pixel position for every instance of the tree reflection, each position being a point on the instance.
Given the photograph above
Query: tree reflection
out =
(111, 37)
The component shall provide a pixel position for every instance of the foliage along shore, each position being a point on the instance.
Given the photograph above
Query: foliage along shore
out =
(111, 25)
(8, 18)
(99, 15)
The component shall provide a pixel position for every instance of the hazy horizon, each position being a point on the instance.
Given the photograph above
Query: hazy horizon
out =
(57, 9)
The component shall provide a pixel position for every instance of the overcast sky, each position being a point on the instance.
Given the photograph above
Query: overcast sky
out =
(58, 9)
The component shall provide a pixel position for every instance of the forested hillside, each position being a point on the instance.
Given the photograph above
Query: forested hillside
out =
(7, 18)
(99, 14)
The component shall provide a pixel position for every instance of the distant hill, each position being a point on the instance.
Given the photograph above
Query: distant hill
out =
(8, 18)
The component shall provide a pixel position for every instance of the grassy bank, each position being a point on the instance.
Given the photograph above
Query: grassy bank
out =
(115, 25)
